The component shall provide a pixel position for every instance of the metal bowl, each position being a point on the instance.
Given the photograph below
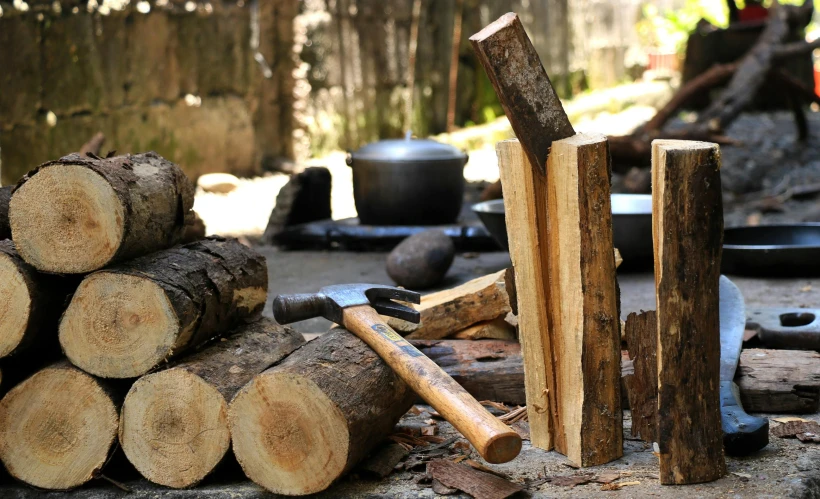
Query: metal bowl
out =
(631, 226)
(772, 250)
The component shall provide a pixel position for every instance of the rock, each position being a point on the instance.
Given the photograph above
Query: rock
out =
(219, 183)
(421, 260)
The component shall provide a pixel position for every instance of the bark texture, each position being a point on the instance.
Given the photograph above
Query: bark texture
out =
(779, 381)
(80, 213)
(302, 424)
(126, 320)
(30, 306)
(59, 427)
(174, 426)
(642, 386)
(687, 216)
(5, 197)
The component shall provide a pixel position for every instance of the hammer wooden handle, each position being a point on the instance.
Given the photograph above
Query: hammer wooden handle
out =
(495, 441)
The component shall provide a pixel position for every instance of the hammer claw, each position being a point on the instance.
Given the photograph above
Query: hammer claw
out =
(397, 310)
(379, 292)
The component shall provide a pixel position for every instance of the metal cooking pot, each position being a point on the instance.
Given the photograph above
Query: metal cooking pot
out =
(408, 182)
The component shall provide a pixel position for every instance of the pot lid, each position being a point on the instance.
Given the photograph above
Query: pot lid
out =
(408, 149)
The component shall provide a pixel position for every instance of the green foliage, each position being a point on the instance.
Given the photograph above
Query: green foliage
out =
(669, 29)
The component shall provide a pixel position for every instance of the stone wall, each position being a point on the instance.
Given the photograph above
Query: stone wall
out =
(182, 79)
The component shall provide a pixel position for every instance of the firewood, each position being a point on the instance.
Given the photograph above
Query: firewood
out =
(529, 249)
(304, 423)
(497, 329)
(59, 427)
(687, 221)
(81, 213)
(583, 299)
(642, 386)
(174, 426)
(125, 320)
(5, 197)
(779, 381)
(30, 304)
(446, 312)
(478, 484)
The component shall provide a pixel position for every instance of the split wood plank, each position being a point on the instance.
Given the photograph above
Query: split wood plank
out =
(451, 310)
(642, 386)
(687, 223)
(81, 213)
(525, 204)
(128, 319)
(497, 329)
(174, 426)
(523, 87)
(301, 425)
(779, 381)
(583, 298)
(59, 427)
(478, 484)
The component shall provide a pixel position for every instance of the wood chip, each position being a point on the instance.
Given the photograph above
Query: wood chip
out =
(789, 419)
(608, 477)
(443, 490)
(522, 428)
(384, 460)
(809, 430)
(618, 486)
(480, 467)
(476, 483)
(571, 481)
(429, 431)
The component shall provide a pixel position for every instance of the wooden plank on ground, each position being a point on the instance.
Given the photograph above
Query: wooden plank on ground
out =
(779, 381)
(687, 223)
(583, 299)
(478, 484)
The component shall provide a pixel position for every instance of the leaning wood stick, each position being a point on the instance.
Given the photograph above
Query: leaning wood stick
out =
(303, 424)
(523, 87)
(642, 386)
(81, 213)
(174, 426)
(125, 320)
(524, 187)
(59, 427)
(687, 223)
(30, 305)
(583, 298)
(94, 145)
(5, 197)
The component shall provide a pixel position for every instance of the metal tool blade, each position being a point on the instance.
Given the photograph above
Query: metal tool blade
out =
(732, 325)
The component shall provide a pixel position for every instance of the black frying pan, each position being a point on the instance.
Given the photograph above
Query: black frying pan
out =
(772, 250)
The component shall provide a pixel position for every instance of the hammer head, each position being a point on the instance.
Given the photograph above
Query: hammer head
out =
(330, 301)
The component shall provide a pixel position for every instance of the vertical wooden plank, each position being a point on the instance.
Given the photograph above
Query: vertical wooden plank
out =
(687, 221)
(583, 299)
(525, 203)
(641, 333)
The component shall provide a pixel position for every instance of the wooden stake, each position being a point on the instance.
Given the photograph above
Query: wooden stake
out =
(642, 386)
(174, 426)
(687, 222)
(81, 213)
(583, 300)
(303, 424)
(525, 203)
(59, 427)
(125, 320)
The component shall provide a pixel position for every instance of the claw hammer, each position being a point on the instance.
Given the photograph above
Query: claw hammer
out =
(357, 308)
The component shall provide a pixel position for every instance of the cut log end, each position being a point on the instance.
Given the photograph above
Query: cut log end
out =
(58, 428)
(494, 27)
(67, 220)
(118, 326)
(288, 436)
(174, 428)
(15, 305)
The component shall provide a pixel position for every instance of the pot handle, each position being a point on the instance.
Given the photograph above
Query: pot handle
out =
(349, 159)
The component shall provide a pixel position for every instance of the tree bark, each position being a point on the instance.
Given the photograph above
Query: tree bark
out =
(5, 197)
(174, 427)
(301, 425)
(642, 386)
(687, 223)
(59, 427)
(30, 305)
(78, 214)
(126, 320)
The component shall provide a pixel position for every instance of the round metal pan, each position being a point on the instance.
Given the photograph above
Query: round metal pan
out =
(791, 250)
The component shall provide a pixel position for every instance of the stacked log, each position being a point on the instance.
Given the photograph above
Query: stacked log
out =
(5, 197)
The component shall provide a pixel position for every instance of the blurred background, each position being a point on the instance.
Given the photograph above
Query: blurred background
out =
(262, 89)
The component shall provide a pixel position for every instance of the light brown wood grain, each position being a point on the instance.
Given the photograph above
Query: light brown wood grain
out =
(496, 329)
(525, 206)
(687, 223)
(494, 441)
(583, 300)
